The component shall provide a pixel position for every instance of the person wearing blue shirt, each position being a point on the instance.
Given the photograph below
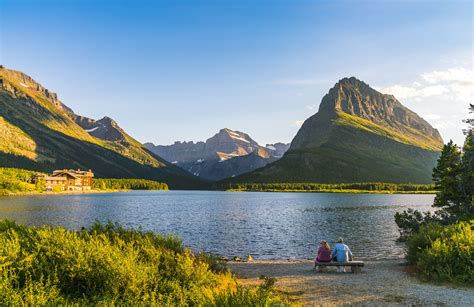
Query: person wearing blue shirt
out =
(342, 253)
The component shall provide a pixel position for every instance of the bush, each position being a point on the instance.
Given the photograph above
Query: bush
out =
(14, 180)
(102, 265)
(110, 265)
(409, 221)
(444, 253)
(263, 295)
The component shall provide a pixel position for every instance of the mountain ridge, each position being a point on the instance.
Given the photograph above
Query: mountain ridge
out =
(227, 153)
(357, 135)
(53, 138)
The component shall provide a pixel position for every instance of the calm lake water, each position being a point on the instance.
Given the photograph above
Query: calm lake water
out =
(264, 225)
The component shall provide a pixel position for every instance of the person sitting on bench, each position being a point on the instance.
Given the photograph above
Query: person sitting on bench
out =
(342, 253)
(324, 253)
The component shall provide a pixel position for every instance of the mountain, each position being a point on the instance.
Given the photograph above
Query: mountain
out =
(357, 135)
(228, 153)
(39, 132)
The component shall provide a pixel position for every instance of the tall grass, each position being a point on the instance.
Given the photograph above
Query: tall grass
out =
(107, 264)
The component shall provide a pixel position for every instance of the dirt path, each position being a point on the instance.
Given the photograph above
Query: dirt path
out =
(381, 282)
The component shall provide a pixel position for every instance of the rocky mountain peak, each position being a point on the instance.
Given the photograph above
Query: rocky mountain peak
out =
(355, 97)
(20, 84)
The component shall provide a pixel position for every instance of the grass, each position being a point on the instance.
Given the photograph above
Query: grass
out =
(410, 137)
(110, 265)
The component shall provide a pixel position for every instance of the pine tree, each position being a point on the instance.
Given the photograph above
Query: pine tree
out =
(467, 166)
(448, 180)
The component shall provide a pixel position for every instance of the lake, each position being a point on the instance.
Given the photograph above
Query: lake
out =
(264, 225)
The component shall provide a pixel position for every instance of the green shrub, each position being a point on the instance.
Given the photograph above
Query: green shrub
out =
(14, 180)
(421, 240)
(102, 265)
(108, 265)
(444, 253)
(263, 295)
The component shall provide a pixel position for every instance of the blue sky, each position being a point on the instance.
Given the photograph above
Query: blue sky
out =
(181, 70)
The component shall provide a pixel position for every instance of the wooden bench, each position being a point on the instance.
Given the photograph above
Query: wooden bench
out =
(356, 266)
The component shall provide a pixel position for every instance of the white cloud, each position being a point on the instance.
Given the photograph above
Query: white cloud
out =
(443, 125)
(456, 83)
(459, 74)
(431, 116)
(298, 123)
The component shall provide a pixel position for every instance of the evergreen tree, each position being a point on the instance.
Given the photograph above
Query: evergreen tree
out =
(467, 166)
(448, 181)
(470, 121)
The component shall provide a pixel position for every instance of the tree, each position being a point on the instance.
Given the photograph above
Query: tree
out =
(454, 179)
(470, 121)
(467, 165)
(447, 176)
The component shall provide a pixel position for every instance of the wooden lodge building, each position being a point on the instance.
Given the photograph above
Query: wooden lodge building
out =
(69, 180)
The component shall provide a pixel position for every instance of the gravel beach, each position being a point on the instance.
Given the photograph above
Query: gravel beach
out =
(380, 283)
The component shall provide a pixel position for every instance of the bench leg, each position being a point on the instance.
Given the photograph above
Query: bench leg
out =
(320, 268)
(356, 269)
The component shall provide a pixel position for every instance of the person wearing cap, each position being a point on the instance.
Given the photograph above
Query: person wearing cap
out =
(342, 253)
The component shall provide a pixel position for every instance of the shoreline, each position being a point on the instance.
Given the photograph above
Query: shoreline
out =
(336, 191)
(381, 282)
(34, 193)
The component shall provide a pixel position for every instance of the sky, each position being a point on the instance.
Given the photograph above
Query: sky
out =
(181, 70)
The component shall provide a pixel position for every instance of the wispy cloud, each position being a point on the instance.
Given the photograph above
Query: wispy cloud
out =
(459, 74)
(456, 82)
(431, 116)
(298, 123)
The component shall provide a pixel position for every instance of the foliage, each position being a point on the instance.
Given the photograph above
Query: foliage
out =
(263, 295)
(409, 221)
(14, 180)
(470, 121)
(447, 176)
(109, 265)
(442, 244)
(320, 187)
(127, 184)
(444, 253)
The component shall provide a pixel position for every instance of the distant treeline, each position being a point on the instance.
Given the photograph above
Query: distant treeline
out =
(15, 180)
(315, 187)
(127, 184)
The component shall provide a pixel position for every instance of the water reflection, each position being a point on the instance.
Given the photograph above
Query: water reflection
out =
(265, 225)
